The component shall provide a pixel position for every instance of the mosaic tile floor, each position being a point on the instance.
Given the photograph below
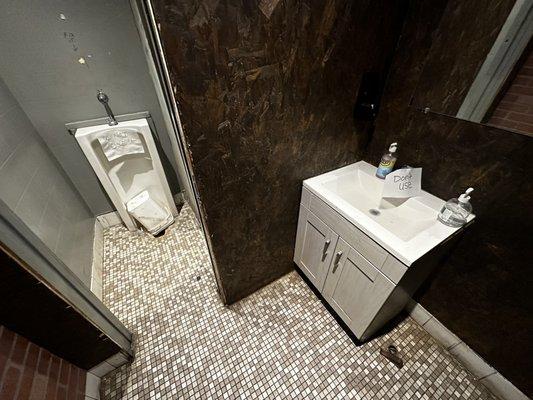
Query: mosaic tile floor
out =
(279, 343)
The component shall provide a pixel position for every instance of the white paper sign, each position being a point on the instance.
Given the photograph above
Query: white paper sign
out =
(405, 182)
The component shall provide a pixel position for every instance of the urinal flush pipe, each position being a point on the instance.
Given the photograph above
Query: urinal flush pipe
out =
(104, 99)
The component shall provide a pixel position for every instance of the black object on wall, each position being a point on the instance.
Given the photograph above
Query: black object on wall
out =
(267, 98)
(31, 309)
(367, 103)
(482, 292)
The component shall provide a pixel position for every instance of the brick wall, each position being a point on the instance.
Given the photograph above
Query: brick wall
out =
(515, 110)
(28, 371)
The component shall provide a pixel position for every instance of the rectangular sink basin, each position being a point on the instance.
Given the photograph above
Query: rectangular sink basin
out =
(408, 228)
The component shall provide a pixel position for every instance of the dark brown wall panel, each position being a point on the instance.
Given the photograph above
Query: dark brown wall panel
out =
(482, 292)
(267, 102)
(29, 308)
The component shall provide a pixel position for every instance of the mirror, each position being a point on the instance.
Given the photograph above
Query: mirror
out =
(481, 59)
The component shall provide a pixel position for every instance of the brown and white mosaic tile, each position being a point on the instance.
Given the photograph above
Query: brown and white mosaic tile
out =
(278, 343)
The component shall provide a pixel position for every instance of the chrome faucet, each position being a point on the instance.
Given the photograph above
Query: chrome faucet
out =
(104, 99)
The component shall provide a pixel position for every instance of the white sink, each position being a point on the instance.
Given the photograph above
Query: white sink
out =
(408, 228)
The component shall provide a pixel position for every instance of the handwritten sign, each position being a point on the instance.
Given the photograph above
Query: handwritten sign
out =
(405, 182)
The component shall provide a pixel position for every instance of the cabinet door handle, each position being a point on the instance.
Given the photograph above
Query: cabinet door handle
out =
(325, 250)
(336, 262)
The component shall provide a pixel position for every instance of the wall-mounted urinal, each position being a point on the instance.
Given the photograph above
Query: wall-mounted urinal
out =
(126, 161)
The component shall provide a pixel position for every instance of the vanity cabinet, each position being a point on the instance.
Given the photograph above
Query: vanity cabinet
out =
(348, 268)
(316, 244)
(367, 254)
(355, 288)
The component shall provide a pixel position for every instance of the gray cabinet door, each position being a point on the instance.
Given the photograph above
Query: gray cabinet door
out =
(355, 288)
(315, 242)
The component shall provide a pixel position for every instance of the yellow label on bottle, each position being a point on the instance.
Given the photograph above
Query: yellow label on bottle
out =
(386, 164)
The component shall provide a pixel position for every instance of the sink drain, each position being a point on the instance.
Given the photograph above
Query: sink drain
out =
(373, 211)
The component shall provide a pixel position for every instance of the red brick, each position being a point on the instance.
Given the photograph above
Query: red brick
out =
(44, 362)
(522, 127)
(63, 375)
(519, 117)
(510, 98)
(30, 367)
(517, 126)
(499, 113)
(73, 382)
(82, 376)
(53, 378)
(502, 123)
(527, 70)
(61, 393)
(527, 100)
(33, 356)
(523, 80)
(38, 388)
(518, 107)
(521, 90)
(19, 350)
(6, 344)
(10, 384)
(3, 363)
(32, 371)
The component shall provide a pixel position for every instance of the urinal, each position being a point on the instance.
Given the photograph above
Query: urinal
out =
(125, 160)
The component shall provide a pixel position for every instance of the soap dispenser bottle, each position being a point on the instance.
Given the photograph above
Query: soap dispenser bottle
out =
(387, 162)
(455, 212)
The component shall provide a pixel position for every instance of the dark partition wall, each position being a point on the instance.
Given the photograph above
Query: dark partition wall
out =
(33, 310)
(483, 292)
(266, 91)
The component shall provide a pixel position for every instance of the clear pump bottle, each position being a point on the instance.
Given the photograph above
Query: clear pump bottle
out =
(455, 212)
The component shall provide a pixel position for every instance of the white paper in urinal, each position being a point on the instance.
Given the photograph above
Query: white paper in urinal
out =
(153, 215)
(405, 182)
(120, 142)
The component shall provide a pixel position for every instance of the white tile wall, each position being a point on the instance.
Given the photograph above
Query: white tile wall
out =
(441, 333)
(92, 387)
(98, 254)
(486, 374)
(109, 365)
(110, 219)
(503, 388)
(102, 369)
(35, 187)
(472, 361)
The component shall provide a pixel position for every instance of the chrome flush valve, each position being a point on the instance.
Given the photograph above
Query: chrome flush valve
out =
(104, 99)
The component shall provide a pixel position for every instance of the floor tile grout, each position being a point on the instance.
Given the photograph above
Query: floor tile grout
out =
(280, 342)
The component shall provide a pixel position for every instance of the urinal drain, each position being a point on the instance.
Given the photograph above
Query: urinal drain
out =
(373, 211)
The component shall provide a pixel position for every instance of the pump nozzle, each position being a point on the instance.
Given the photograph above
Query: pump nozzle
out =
(465, 197)
(393, 147)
